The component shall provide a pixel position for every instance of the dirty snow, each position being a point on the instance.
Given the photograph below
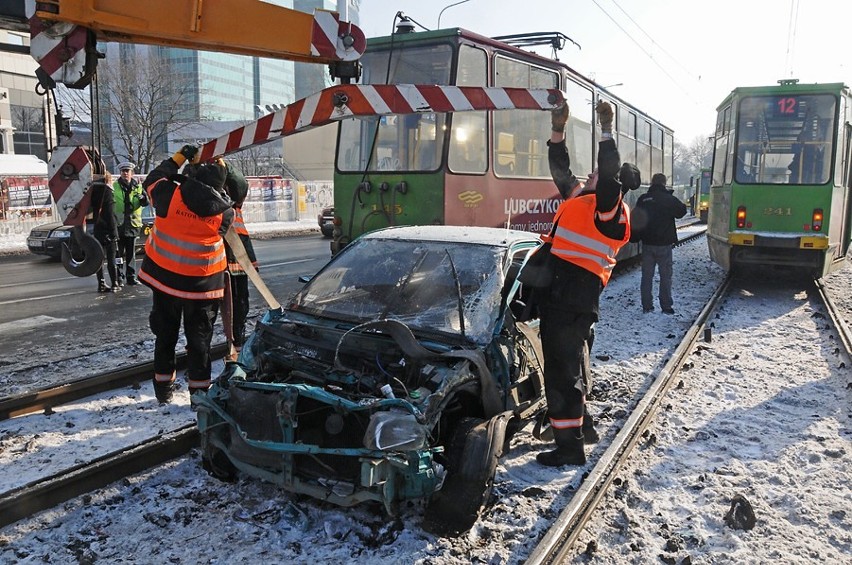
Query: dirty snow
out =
(763, 411)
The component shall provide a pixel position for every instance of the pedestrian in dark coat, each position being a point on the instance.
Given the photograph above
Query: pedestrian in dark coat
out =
(105, 230)
(590, 226)
(654, 225)
(185, 265)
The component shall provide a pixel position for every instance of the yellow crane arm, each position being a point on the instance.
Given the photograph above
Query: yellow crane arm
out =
(244, 27)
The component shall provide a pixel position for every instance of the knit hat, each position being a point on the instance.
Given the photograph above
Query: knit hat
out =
(659, 179)
(629, 176)
(236, 186)
(212, 174)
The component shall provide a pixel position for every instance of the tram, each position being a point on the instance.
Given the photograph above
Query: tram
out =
(702, 195)
(780, 183)
(474, 168)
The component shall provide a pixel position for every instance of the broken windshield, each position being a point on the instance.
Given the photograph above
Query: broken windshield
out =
(433, 286)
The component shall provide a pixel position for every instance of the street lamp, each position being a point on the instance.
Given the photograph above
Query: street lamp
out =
(449, 6)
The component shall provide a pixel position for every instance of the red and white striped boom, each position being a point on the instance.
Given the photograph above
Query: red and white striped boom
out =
(351, 100)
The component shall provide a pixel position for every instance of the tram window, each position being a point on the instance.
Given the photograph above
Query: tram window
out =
(719, 174)
(578, 132)
(418, 65)
(468, 150)
(643, 148)
(473, 67)
(520, 149)
(411, 142)
(785, 139)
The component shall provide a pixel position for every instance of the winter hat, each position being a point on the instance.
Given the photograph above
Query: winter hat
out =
(212, 174)
(629, 176)
(659, 179)
(236, 186)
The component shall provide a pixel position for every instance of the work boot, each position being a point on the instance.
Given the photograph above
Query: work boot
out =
(569, 449)
(164, 392)
(590, 434)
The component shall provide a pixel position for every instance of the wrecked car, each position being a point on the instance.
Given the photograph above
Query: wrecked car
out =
(399, 371)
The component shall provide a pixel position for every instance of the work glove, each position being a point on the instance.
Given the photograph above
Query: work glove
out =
(604, 111)
(186, 153)
(629, 177)
(559, 117)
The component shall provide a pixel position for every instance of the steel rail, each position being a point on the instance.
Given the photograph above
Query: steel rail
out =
(47, 398)
(50, 491)
(843, 332)
(557, 542)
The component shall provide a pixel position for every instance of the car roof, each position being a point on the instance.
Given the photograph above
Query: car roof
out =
(459, 234)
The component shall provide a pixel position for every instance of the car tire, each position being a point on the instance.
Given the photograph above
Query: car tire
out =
(327, 231)
(471, 455)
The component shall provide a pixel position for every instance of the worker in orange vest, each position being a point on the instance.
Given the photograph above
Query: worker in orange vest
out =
(590, 226)
(185, 265)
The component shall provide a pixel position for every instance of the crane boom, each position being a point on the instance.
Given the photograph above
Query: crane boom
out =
(64, 32)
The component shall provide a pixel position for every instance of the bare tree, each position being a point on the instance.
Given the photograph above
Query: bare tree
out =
(138, 101)
(264, 160)
(689, 159)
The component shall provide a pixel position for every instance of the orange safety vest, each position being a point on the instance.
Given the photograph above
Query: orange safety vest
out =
(188, 245)
(578, 240)
(239, 227)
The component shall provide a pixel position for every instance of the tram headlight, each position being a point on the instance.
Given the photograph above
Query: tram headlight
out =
(816, 220)
(741, 217)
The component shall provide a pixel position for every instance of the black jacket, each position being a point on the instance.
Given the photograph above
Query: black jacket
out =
(103, 213)
(652, 221)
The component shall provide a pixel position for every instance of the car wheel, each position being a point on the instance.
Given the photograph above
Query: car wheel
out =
(472, 454)
(217, 464)
(327, 231)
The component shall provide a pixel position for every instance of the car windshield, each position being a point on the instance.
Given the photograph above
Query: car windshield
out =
(445, 287)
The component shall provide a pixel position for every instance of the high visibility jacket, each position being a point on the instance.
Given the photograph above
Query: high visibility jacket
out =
(185, 253)
(577, 239)
(132, 194)
(239, 226)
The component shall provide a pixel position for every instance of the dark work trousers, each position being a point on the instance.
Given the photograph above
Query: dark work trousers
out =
(109, 255)
(563, 335)
(198, 318)
(127, 252)
(656, 256)
(240, 305)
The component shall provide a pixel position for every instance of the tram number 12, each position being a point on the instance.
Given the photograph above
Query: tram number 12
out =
(777, 211)
(787, 105)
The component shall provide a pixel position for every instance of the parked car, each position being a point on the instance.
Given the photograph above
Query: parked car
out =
(398, 372)
(326, 221)
(47, 239)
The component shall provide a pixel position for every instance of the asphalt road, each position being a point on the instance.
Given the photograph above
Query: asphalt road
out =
(41, 304)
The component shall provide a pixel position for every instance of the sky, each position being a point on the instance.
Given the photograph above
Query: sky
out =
(675, 60)
(769, 423)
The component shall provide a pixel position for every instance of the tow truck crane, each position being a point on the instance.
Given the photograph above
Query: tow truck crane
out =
(64, 36)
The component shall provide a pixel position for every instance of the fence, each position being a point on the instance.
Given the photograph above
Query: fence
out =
(25, 201)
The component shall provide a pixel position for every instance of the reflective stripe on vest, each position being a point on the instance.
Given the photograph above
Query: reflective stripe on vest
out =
(186, 243)
(578, 241)
(239, 224)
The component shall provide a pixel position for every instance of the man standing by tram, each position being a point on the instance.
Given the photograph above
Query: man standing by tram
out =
(185, 265)
(589, 228)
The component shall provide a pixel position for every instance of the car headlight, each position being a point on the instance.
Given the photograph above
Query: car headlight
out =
(61, 234)
(394, 431)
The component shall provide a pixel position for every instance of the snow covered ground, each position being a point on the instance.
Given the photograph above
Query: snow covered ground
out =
(764, 411)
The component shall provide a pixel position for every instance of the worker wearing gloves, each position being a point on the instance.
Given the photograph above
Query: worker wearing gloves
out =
(130, 198)
(589, 228)
(185, 265)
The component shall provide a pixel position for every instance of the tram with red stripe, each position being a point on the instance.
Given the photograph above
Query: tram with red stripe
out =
(476, 167)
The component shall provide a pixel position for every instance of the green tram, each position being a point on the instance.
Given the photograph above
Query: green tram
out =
(702, 195)
(474, 168)
(780, 190)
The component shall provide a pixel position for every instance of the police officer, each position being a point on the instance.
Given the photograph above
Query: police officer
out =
(185, 265)
(590, 226)
(130, 198)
